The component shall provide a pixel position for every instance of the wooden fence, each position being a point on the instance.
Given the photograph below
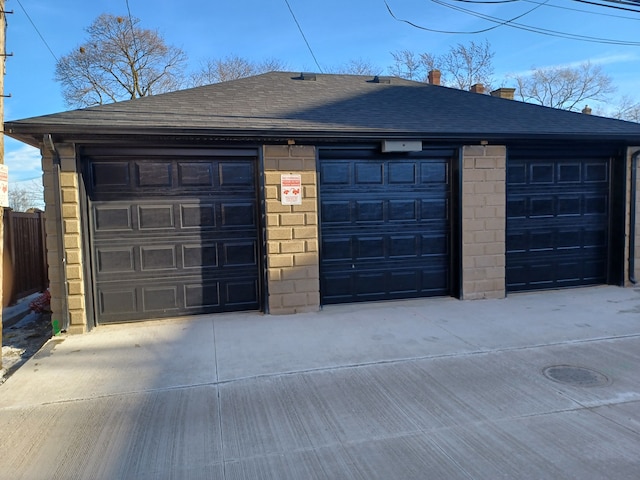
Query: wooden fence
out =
(25, 258)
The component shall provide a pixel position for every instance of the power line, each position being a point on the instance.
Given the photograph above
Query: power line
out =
(303, 36)
(499, 22)
(38, 31)
(587, 12)
(133, 34)
(633, 3)
(636, 6)
(539, 30)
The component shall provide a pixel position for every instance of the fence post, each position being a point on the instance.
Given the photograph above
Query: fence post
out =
(43, 249)
(9, 255)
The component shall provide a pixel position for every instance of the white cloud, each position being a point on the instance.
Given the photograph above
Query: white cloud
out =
(23, 161)
(612, 59)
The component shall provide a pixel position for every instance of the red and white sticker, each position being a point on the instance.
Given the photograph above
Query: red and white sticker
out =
(4, 186)
(291, 189)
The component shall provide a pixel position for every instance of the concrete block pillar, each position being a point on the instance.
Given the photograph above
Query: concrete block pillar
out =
(64, 239)
(631, 197)
(293, 278)
(483, 222)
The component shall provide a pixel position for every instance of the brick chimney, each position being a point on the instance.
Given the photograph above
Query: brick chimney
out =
(477, 88)
(587, 110)
(434, 77)
(507, 93)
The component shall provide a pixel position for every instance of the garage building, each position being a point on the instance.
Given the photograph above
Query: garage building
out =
(174, 204)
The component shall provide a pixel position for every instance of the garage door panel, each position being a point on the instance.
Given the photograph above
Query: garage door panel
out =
(198, 215)
(153, 174)
(196, 174)
(569, 206)
(402, 173)
(238, 215)
(115, 260)
(237, 176)
(384, 226)
(200, 255)
(541, 173)
(376, 284)
(434, 210)
(596, 172)
(369, 248)
(369, 173)
(557, 221)
(190, 246)
(596, 205)
(403, 246)
(434, 173)
(202, 295)
(117, 302)
(336, 249)
(435, 244)
(158, 257)
(160, 299)
(403, 210)
(435, 280)
(174, 296)
(107, 175)
(112, 217)
(369, 211)
(569, 172)
(240, 254)
(241, 295)
(155, 217)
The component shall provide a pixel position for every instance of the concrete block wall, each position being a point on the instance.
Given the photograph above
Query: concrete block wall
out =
(637, 241)
(630, 152)
(66, 273)
(293, 278)
(483, 221)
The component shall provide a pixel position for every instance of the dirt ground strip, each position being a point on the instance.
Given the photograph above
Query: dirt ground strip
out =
(22, 340)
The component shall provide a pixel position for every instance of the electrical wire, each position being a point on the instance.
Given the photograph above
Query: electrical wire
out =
(616, 7)
(633, 3)
(303, 36)
(539, 30)
(504, 22)
(509, 23)
(133, 34)
(37, 31)
(580, 10)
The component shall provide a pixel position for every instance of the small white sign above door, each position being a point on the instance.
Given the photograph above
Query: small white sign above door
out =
(291, 189)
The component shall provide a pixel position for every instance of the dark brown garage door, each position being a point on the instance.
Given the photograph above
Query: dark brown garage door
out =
(173, 233)
(557, 219)
(385, 225)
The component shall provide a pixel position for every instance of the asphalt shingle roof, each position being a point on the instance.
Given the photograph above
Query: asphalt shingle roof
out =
(344, 106)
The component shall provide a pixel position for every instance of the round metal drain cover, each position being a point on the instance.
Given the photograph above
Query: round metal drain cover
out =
(577, 376)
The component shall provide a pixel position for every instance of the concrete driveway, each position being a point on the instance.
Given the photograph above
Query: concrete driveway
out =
(536, 386)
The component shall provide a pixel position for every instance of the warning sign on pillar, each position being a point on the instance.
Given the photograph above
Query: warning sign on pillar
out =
(291, 189)
(4, 186)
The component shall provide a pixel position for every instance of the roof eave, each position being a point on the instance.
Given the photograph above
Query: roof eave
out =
(32, 134)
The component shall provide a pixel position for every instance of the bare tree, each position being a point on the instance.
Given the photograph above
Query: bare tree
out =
(466, 65)
(565, 87)
(26, 195)
(461, 66)
(233, 67)
(627, 109)
(118, 61)
(357, 66)
(409, 65)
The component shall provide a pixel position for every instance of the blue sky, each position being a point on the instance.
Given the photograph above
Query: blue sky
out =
(337, 30)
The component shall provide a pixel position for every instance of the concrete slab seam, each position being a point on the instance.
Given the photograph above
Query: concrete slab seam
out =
(594, 407)
(219, 401)
(347, 367)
